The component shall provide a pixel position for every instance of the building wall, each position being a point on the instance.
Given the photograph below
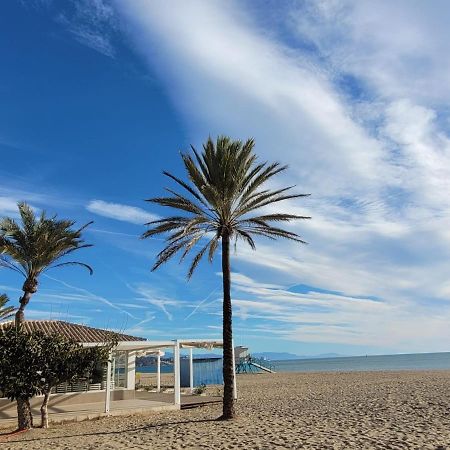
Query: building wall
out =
(206, 371)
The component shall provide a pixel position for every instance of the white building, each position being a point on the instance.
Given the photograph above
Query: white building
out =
(120, 385)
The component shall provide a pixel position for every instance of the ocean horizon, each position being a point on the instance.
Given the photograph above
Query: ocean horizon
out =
(369, 363)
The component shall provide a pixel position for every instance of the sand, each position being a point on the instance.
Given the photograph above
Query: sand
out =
(384, 410)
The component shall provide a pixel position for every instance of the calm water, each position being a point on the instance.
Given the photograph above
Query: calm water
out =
(152, 369)
(419, 361)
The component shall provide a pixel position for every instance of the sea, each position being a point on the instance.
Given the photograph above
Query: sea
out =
(416, 361)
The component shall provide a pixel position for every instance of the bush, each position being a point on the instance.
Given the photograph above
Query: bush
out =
(198, 390)
(33, 363)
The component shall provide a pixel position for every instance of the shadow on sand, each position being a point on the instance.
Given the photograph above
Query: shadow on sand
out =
(5, 436)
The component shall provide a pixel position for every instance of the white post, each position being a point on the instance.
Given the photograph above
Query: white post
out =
(131, 371)
(113, 374)
(176, 370)
(191, 370)
(108, 384)
(158, 373)
(234, 374)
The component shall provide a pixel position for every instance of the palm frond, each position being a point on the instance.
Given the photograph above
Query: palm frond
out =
(73, 263)
(168, 252)
(197, 259)
(186, 186)
(246, 237)
(37, 243)
(279, 217)
(10, 265)
(5, 311)
(225, 186)
(214, 243)
(177, 203)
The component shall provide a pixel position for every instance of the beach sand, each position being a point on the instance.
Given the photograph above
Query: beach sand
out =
(377, 410)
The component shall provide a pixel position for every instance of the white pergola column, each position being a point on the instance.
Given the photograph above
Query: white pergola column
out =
(176, 370)
(113, 374)
(131, 370)
(108, 384)
(234, 374)
(191, 370)
(158, 372)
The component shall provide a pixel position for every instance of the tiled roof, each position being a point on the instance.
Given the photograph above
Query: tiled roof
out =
(80, 333)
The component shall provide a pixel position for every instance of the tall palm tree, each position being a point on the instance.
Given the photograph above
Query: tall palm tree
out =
(5, 311)
(219, 203)
(35, 246)
(31, 248)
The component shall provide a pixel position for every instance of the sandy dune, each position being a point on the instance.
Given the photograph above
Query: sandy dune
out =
(403, 410)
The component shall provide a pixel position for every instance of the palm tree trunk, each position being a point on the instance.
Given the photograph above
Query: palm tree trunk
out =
(228, 375)
(20, 316)
(24, 417)
(44, 410)
(29, 288)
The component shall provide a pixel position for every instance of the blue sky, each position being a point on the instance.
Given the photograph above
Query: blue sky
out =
(98, 98)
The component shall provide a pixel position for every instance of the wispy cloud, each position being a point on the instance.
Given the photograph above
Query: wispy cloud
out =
(202, 302)
(93, 297)
(355, 37)
(332, 318)
(121, 212)
(35, 314)
(154, 297)
(362, 121)
(92, 23)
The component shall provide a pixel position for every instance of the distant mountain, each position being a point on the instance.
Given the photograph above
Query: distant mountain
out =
(323, 355)
(276, 356)
(282, 356)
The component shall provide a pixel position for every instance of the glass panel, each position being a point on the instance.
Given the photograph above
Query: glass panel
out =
(120, 361)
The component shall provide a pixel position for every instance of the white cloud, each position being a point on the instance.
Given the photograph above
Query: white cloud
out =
(8, 206)
(121, 212)
(398, 48)
(375, 156)
(334, 318)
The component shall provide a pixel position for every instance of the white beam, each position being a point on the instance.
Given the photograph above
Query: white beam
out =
(108, 384)
(191, 371)
(176, 369)
(158, 373)
(234, 374)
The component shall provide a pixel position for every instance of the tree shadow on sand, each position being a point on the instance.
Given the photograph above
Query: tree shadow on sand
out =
(4, 436)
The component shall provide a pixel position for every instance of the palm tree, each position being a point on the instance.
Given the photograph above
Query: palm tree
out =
(5, 311)
(31, 248)
(35, 246)
(218, 204)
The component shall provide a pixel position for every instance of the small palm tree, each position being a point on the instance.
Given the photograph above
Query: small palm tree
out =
(225, 189)
(5, 311)
(35, 246)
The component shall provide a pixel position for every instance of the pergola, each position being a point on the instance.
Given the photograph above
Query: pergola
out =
(156, 348)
